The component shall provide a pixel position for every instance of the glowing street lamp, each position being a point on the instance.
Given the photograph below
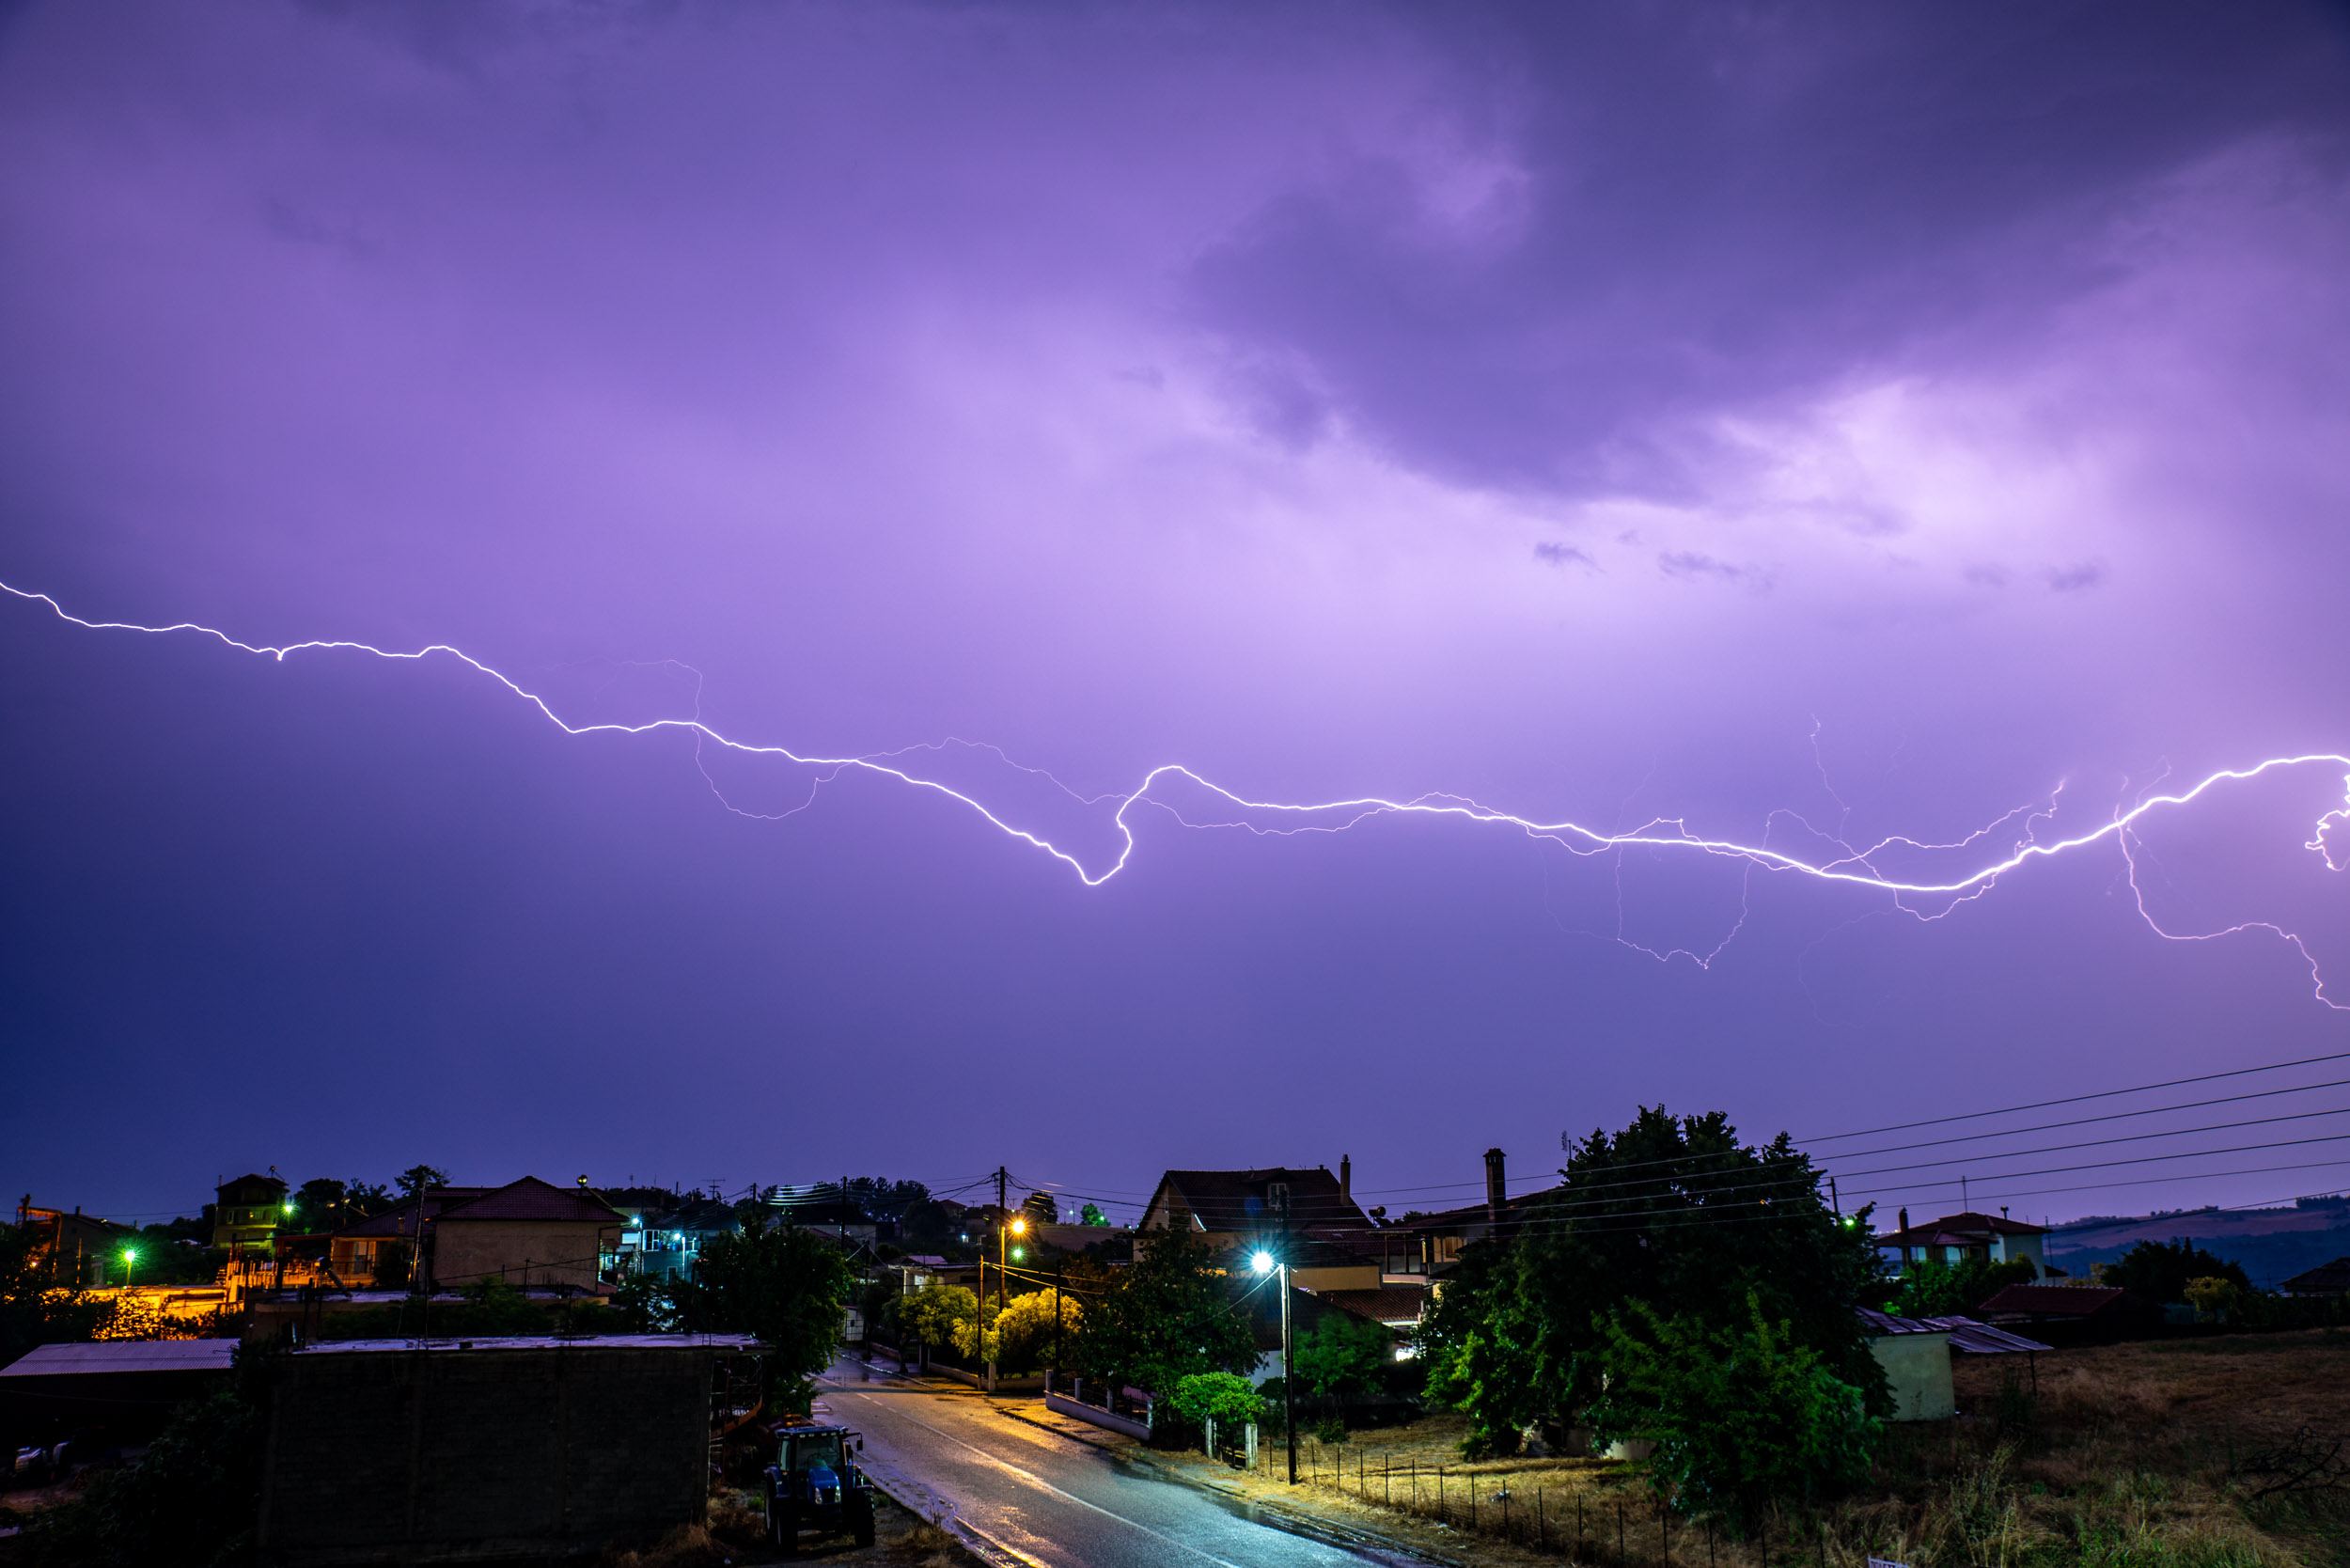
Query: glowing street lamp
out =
(1265, 1262)
(130, 1256)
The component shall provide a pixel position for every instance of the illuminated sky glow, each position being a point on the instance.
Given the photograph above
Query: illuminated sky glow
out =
(1832, 485)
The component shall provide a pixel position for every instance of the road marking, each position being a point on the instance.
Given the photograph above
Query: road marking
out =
(1038, 1481)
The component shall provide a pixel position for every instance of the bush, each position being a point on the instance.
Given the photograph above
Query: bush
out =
(1215, 1396)
(1739, 1420)
(193, 1497)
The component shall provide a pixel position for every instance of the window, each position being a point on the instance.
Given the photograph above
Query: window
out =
(1276, 1196)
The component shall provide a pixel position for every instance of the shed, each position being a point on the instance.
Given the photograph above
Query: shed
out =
(1914, 1353)
(125, 1388)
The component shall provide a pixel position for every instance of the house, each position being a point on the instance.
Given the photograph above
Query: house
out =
(666, 1244)
(529, 1232)
(76, 1249)
(1963, 1237)
(1422, 1249)
(2325, 1280)
(533, 1234)
(2073, 1314)
(246, 1212)
(1309, 1215)
(1914, 1353)
(380, 1251)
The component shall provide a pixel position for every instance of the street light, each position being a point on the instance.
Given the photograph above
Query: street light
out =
(1264, 1262)
(130, 1256)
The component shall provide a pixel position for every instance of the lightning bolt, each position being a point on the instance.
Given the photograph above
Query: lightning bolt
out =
(1853, 866)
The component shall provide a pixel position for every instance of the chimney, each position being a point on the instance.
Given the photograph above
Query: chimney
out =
(1496, 1190)
(1346, 1178)
(1905, 1219)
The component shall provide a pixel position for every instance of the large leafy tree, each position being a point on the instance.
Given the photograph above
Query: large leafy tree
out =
(2159, 1271)
(1169, 1316)
(786, 1285)
(34, 1310)
(1674, 1214)
(1343, 1357)
(1738, 1416)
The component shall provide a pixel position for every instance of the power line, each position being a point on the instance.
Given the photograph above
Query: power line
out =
(2078, 1099)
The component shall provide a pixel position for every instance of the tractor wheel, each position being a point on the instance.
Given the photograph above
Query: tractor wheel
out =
(783, 1524)
(861, 1518)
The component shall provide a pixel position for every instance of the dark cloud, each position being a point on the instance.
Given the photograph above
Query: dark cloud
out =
(1551, 553)
(1727, 203)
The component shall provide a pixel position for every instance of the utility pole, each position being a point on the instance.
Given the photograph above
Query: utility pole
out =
(1289, 1376)
(1003, 1220)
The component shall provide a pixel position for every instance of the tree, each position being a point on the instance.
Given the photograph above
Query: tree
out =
(365, 1200)
(1739, 1417)
(1671, 1212)
(1166, 1317)
(1930, 1289)
(2212, 1298)
(1343, 1357)
(936, 1313)
(787, 1286)
(2159, 1271)
(1091, 1214)
(33, 1309)
(1479, 1342)
(1041, 1209)
(1025, 1329)
(416, 1178)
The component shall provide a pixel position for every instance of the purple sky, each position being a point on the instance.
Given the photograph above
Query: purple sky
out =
(1879, 416)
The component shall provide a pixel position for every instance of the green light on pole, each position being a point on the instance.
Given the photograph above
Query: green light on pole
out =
(130, 1256)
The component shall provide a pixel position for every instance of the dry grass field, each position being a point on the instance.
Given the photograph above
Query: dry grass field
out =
(2150, 1455)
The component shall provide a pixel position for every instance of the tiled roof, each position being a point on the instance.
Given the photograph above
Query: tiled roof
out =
(1220, 1199)
(1389, 1304)
(1960, 1229)
(2065, 1301)
(402, 1221)
(2325, 1280)
(532, 1199)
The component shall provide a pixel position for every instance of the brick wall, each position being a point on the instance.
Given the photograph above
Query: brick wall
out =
(452, 1456)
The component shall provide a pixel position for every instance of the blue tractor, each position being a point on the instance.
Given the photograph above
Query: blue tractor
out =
(815, 1484)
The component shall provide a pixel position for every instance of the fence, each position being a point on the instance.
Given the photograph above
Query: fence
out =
(1609, 1527)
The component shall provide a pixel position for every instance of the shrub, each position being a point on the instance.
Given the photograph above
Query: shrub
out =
(1215, 1396)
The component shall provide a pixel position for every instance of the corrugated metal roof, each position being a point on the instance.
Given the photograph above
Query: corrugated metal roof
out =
(1974, 1339)
(123, 1355)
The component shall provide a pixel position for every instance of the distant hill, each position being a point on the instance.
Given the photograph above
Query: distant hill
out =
(2270, 1243)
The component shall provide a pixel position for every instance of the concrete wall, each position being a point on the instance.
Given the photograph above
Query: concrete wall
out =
(451, 1455)
(1919, 1368)
(534, 1252)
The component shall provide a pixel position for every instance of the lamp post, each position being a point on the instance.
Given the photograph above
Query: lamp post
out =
(1005, 1230)
(1266, 1263)
(130, 1256)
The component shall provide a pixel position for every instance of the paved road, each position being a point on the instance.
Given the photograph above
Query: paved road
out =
(1048, 1501)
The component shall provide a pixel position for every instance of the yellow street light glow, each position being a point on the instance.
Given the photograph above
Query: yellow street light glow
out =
(1019, 1227)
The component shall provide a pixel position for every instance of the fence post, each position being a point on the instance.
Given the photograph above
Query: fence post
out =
(1541, 1520)
(1211, 1426)
(1440, 1494)
(1472, 1499)
(1251, 1437)
(1620, 1525)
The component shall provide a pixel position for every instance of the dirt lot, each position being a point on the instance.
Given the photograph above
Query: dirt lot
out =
(2129, 1456)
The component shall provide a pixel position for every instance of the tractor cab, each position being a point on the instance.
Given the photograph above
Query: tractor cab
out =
(815, 1484)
